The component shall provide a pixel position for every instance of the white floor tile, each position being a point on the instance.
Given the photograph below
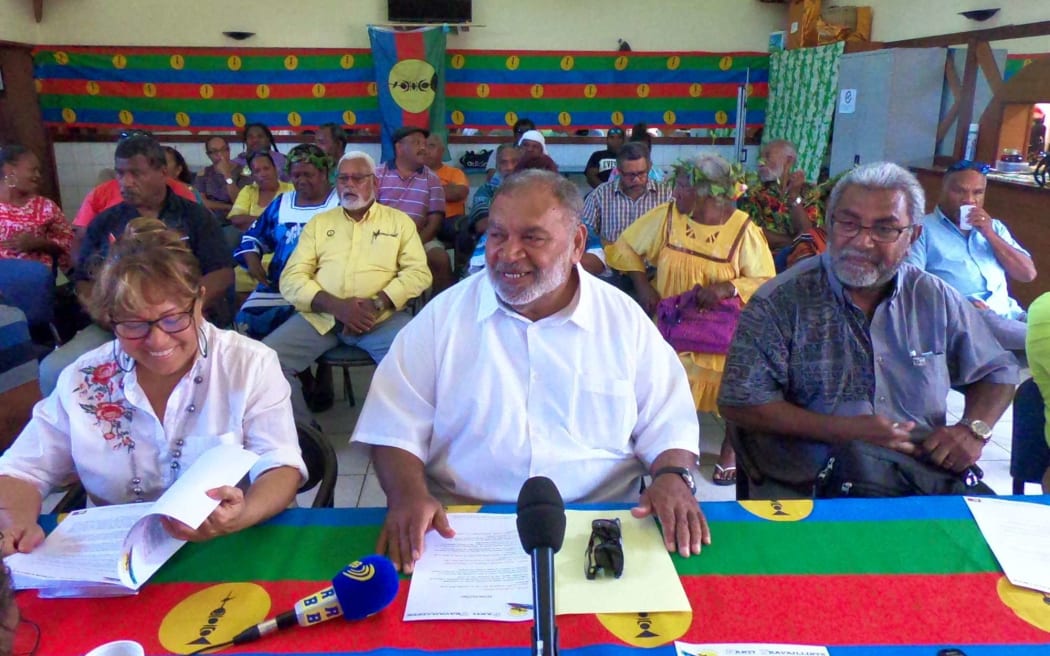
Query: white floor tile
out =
(348, 490)
(372, 494)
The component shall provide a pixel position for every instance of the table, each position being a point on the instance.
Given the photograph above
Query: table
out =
(864, 577)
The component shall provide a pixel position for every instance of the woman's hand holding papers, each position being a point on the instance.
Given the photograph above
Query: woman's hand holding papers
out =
(227, 518)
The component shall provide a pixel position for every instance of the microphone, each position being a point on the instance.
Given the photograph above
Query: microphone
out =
(541, 529)
(362, 588)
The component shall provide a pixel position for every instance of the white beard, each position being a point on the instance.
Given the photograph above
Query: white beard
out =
(546, 281)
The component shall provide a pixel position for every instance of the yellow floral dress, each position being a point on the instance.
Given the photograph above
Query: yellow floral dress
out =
(685, 254)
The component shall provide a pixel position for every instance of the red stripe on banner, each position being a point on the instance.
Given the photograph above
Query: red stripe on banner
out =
(625, 92)
(609, 53)
(819, 610)
(412, 45)
(855, 610)
(193, 91)
(219, 52)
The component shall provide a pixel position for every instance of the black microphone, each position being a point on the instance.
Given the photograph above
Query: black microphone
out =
(362, 588)
(541, 529)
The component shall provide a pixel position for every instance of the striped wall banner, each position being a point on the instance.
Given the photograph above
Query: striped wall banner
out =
(223, 88)
(1016, 62)
(205, 89)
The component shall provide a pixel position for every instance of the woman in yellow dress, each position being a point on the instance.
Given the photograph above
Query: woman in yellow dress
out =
(698, 239)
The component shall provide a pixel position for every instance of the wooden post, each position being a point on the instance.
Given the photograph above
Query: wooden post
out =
(965, 101)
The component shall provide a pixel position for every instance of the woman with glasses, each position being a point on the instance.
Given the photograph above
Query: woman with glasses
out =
(699, 240)
(145, 406)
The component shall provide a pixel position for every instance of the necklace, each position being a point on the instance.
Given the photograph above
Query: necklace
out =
(134, 487)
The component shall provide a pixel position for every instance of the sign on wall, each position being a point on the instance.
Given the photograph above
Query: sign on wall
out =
(222, 89)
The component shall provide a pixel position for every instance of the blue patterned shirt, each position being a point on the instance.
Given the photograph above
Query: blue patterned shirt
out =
(801, 340)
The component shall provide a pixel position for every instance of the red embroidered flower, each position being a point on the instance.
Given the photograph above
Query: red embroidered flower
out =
(109, 411)
(109, 436)
(104, 372)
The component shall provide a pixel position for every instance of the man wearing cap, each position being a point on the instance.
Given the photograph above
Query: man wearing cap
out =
(975, 256)
(532, 143)
(408, 185)
(602, 162)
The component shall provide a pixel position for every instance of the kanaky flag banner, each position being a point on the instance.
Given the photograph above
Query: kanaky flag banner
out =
(410, 79)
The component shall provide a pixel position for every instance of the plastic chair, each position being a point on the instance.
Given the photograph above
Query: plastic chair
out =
(1029, 452)
(344, 357)
(322, 466)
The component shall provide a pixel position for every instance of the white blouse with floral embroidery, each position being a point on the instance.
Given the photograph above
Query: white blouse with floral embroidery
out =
(98, 424)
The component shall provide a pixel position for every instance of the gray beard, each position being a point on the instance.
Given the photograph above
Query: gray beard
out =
(874, 275)
(545, 283)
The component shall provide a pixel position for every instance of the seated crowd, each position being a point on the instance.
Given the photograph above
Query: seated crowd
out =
(572, 348)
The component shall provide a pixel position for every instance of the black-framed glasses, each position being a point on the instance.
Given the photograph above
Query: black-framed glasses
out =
(604, 549)
(26, 638)
(135, 132)
(884, 234)
(175, 322)
(969, 165)
(634, 175)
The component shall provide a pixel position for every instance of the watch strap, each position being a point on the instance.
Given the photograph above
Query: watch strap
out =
(682, 472)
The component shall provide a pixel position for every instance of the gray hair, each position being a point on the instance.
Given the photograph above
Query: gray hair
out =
(504, 146)
(361, 155)
(566, 193)
(881, 175)
(786, 145)
(715, 171)
(633, 150)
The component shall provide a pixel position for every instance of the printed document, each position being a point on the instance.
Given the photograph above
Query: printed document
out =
(1018, 533)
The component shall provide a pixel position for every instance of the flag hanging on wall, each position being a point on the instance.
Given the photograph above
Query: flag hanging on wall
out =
(410, 78)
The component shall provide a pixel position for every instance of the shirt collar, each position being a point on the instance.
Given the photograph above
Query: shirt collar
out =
(947, 221)
(580, 310)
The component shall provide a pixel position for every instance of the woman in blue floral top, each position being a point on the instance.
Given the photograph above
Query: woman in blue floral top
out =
(131, 415)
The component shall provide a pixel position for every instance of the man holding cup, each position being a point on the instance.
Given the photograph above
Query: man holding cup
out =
(963, 245)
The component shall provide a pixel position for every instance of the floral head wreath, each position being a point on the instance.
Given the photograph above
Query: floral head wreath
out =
(739, 179)
(310, 154)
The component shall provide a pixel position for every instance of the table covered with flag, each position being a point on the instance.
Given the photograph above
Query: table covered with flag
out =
(863, 577)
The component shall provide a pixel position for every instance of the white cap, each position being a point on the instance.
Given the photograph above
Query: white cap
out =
(534, 135)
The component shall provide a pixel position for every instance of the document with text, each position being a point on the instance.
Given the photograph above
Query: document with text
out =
(113, 550)
(747, 649)
(1018, 533)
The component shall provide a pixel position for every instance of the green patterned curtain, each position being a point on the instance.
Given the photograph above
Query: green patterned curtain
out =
(802, 90)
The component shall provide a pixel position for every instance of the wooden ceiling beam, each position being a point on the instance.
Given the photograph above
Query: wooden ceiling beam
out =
(1004, 33)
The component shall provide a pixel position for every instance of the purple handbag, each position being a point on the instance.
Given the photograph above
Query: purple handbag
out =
(691, 330)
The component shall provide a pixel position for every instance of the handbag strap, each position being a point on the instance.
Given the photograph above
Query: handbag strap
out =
(732, 249)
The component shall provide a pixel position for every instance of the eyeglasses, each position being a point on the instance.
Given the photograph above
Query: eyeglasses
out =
(604, 550)
(27, 638)
(615, 132)
(347, 178)
(883, 234)
(968, 165)
(127, 134)
(216, 151)
(636, 175)
(170, 323)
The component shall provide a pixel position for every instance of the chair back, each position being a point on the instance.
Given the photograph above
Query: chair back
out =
(321, 465)
(1029, 452)
(29, 286)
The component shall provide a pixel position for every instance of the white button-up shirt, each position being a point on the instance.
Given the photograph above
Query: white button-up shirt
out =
(88, 425)
(486, 398)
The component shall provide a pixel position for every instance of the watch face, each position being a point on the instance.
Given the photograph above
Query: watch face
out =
(981, 428)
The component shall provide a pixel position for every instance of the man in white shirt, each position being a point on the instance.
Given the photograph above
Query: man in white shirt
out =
(534, 368)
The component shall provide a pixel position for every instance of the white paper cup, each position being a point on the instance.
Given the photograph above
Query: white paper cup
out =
(964, 216)
(118, 648)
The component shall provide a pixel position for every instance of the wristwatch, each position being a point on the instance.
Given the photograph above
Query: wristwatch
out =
(682, 472)
(980, 430)
(229, 181)
(798, 200)
(378, 304)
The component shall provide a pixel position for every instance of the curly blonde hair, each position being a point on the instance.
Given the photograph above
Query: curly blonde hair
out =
(149, 262)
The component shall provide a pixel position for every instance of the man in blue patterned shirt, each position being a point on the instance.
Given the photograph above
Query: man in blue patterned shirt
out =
(857, 345)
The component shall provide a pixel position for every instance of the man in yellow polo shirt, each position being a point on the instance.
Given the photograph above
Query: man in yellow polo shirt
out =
(353, 271)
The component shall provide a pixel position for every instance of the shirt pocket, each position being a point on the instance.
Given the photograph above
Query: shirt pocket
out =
(926, 385)
(603, 414)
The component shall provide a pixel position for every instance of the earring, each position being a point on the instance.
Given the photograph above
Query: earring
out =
(124, 361)
(202, 342)
(10, 180)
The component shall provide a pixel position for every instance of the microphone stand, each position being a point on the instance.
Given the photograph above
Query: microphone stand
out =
(544, 629)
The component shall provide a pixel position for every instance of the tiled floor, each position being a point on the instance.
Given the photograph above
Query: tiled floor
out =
(358, 486)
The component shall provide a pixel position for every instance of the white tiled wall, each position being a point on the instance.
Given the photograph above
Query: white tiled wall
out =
(79, 163)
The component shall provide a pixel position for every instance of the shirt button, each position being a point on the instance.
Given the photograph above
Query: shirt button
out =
(882, 399)
(879, 359)
(198, 379)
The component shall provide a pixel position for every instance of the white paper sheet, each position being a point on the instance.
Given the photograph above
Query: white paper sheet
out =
(481, 574)
(747, 649)
(1018, 533)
